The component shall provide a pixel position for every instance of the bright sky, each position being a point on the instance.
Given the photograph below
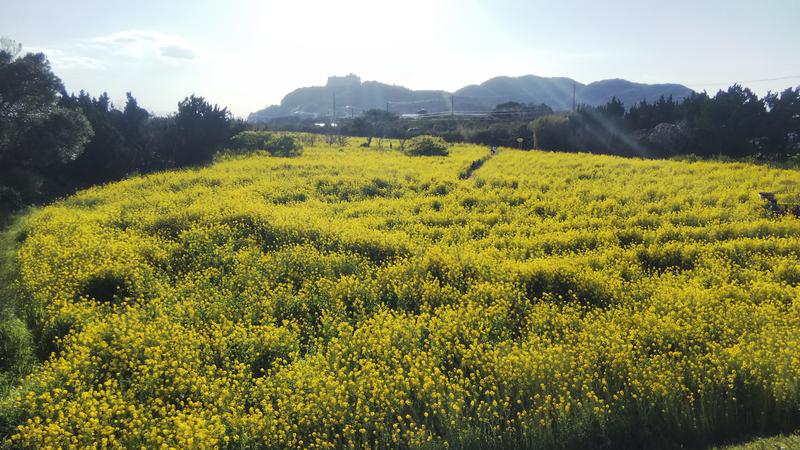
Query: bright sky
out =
(247, 54)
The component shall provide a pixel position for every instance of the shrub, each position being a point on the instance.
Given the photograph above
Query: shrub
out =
(10, 199)
(551, 133)
(284, 146)
(250, 140)
(15, 342)
(426, 146)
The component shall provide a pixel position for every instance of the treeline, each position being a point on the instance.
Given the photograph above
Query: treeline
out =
(488, 131)
(501, 129)
(734, 122)
(52, 142)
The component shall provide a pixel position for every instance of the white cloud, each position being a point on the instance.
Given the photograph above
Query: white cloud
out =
(177, 52)
(142, 44)
(62, 60)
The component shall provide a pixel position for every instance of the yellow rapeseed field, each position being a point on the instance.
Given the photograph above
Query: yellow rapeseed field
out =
(361, 298)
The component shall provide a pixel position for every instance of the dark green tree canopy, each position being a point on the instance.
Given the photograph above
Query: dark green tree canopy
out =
(38, 136)
(202, 129)
(36, 132)
(52, 142)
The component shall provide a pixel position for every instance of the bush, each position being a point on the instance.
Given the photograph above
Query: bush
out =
(15, 343)
(551, 133)
(10, 199)
(426, 146)
(284, 146)
(250, 140)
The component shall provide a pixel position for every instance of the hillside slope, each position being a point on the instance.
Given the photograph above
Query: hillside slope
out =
(355, 96)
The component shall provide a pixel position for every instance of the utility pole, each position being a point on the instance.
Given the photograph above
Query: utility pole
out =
(573, 97)
(452, 109)
(333, 114)
(387, 106)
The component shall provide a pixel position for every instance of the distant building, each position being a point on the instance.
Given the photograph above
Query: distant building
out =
(514, 110)
(304, 115)
(345, 81)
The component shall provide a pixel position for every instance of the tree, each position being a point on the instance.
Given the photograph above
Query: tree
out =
(730, 123)
(134, 121)
(55, 139)
(105, 156)
(10, 46)
(648, 115)
(37, 134)
(551, 133)
(613, 109)
(201, 129)
(782, 124)
(599, 129)
(374, 122)
(509, 106)
(161, 139)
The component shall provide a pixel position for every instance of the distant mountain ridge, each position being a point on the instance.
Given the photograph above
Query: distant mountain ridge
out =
(352, 96)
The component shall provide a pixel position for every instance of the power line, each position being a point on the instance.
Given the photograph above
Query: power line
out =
(414, 102)
(728, 83)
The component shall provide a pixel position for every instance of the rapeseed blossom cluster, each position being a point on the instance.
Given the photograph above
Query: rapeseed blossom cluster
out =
(357, 298)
